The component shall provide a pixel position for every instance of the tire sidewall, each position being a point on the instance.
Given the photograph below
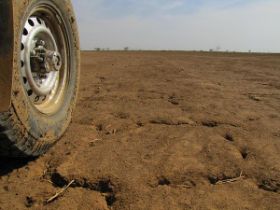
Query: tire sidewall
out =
(41, 126)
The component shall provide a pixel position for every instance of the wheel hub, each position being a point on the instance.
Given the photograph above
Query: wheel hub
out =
(40, 60)
(44, 61)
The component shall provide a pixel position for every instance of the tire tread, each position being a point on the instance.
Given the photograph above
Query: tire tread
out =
(15, 141)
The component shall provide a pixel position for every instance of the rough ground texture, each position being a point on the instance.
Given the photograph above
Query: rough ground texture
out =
(161, 130)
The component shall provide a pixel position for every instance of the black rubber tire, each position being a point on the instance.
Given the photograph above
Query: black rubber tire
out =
(25, 131)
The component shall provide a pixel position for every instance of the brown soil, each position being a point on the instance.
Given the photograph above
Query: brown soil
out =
(161, 130)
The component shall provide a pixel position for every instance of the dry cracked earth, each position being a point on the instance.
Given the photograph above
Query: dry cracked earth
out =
(161, 130)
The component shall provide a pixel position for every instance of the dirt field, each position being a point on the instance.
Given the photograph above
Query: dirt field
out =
(162, 130)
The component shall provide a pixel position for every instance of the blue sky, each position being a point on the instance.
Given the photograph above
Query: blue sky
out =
(238, 25)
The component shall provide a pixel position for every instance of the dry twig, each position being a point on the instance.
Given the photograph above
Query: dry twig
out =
(231, 180)
(49, 181)
(95, 140)
(60, 193)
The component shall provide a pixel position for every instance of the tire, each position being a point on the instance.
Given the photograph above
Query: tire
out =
(45, 80)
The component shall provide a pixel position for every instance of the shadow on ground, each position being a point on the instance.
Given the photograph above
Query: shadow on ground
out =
(8, 165)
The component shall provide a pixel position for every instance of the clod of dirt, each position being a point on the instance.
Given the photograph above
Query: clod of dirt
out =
(166, 121)
(162, 121)
(68, 153)
(229, 137)
(253, 118)
(254, 98)
(140, 124)
(29, 202)
(102, 79)
(244, 152)
(209, 123)
(213, 179)
(270, 185)
(107, 130)
(173, 100)
(163, 181)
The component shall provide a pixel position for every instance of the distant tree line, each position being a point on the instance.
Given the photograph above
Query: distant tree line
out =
(217, 49)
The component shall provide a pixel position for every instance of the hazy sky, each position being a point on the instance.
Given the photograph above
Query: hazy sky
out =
(238, 25)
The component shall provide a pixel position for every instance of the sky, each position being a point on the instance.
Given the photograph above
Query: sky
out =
(234, 25)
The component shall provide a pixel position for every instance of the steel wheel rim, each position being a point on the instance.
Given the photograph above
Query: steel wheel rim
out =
(46, 92)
